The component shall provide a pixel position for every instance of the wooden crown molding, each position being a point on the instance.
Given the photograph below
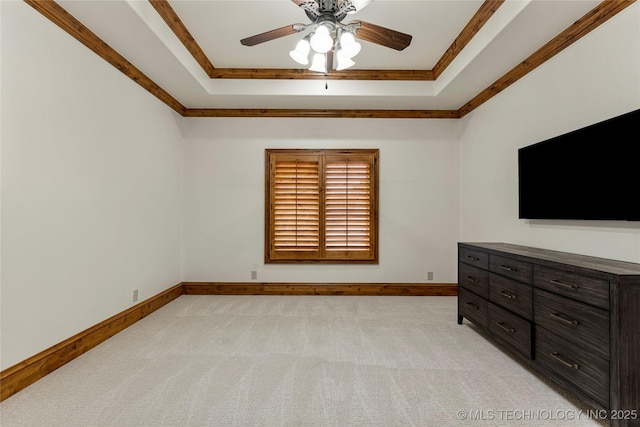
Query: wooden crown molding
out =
(63, 19)
(174, 22)
(583, 26)
(311, 113)
(478, 20)
(299, 74)
(594, 18)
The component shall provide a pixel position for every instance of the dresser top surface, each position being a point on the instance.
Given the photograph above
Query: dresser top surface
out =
(620, 268)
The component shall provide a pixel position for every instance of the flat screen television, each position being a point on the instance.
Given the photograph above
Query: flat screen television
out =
(592, 173)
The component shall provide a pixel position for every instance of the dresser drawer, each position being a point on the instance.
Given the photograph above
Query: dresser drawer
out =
(472, 307)
(472, 257)
(474, 279)
(574, 321)
(512, 295)
(583, 288)
(514, 269)
(509, 329)
(574, 367)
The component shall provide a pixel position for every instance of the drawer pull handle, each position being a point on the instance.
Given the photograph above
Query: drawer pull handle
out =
(508, 295)
(560, 318)
(473, 279)
(472, 305)
(559, 358)
(506, 267)
(472, 258)
(561, 283)
(505, 328)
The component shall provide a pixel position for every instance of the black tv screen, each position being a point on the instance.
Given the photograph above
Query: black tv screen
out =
(591, 173)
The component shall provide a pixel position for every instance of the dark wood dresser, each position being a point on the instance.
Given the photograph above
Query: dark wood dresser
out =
(573, 318)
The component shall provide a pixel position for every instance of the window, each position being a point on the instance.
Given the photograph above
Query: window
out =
(321, 206)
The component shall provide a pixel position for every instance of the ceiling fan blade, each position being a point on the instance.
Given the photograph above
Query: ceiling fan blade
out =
(272, 35)
(382, 36)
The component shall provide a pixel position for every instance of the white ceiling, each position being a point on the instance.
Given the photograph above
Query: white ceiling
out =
(137, 32)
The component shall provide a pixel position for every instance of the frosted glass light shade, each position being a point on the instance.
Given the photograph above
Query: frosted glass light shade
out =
(349, 46)
(321, 41)
(344, 62)
(319, 63)
(301, 53)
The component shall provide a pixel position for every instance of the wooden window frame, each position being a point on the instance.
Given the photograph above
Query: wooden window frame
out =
(322, 252)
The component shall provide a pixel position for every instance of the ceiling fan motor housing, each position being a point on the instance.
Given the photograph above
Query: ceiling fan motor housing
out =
(328, 5)
(328, 20)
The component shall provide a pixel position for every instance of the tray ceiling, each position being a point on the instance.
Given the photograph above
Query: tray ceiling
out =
(188, 52)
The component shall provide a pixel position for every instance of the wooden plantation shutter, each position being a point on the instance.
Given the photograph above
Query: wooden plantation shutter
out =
(348, 197)
(321, 206)
(296, 205)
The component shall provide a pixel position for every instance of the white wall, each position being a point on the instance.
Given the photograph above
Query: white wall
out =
(224, 197)
(91, 170)
(596, 78)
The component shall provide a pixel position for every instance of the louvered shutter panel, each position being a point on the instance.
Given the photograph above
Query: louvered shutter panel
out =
(296, 206)
(348, 187)
(321, 206)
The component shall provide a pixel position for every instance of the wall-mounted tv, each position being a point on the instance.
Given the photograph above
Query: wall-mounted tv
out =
(591, 173)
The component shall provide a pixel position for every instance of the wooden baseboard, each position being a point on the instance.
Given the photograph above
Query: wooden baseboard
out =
(381, 289)
(25, 373)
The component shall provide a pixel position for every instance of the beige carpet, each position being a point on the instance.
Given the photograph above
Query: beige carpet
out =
(294, 361)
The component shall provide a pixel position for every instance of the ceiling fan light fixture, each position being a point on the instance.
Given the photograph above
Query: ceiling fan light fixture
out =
(319, 63)
(329, 37)
(321, 41)
(344, 62)
(349, 46)
(301, 53)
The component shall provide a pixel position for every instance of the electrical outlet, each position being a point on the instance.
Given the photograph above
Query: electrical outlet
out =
(135, 295)
(254, 275)
(430, 275)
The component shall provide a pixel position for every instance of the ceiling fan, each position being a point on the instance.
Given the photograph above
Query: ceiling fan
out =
(330, 36)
